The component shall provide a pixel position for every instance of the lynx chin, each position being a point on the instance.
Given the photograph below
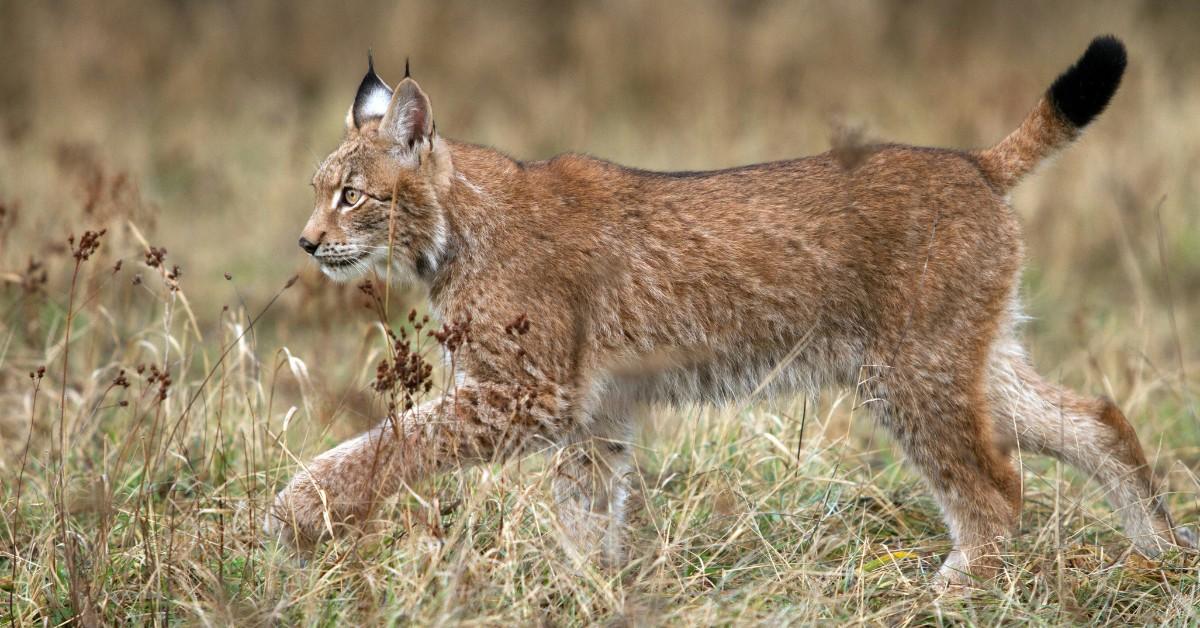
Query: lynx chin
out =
(893, 269)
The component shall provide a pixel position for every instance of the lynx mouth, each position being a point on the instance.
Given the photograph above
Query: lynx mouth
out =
(344, 261)
(344, 267)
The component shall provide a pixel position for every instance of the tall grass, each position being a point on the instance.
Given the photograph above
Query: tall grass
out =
(162, 374)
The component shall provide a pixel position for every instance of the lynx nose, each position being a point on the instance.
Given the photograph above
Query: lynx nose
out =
(308, 246)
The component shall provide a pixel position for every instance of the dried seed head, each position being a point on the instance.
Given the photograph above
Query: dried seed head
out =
(34, 278)
(172, 278)
(519, 326)
(155, 256)
(455, 335)
(88, 243)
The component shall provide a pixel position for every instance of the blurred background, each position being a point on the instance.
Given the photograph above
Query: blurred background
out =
(201, 123)
(195, 127)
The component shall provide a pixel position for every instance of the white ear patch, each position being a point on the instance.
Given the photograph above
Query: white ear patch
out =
(372, 99)
(375, 103)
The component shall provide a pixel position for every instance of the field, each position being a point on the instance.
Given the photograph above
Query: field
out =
(152, 400)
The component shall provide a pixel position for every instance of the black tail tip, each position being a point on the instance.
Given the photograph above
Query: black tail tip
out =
(1083, 91)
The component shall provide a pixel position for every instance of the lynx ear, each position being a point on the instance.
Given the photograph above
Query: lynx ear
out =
(371, 101)
(409, 118)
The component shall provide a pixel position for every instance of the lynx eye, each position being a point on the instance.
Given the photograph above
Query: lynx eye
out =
(351, 197)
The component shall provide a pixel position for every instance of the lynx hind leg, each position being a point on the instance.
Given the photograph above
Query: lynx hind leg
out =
(943, 426)
(1089, 434)
(590, 486)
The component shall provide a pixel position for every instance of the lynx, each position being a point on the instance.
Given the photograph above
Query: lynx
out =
(888, 267)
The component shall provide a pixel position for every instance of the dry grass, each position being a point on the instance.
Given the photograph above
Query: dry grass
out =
(195, 127)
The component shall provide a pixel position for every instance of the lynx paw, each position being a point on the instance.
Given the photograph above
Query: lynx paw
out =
(954, 575)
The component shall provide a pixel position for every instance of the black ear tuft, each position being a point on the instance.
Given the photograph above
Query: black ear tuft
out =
(406, 74)
(373, 95)
(1083, 91)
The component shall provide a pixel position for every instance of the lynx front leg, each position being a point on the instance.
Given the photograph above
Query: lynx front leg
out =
(590, 486)
(337, 490)
(479, 422)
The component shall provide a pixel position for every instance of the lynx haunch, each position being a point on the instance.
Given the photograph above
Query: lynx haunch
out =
(894, 270)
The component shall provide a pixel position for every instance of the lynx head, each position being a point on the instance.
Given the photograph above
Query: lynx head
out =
(377, 194)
